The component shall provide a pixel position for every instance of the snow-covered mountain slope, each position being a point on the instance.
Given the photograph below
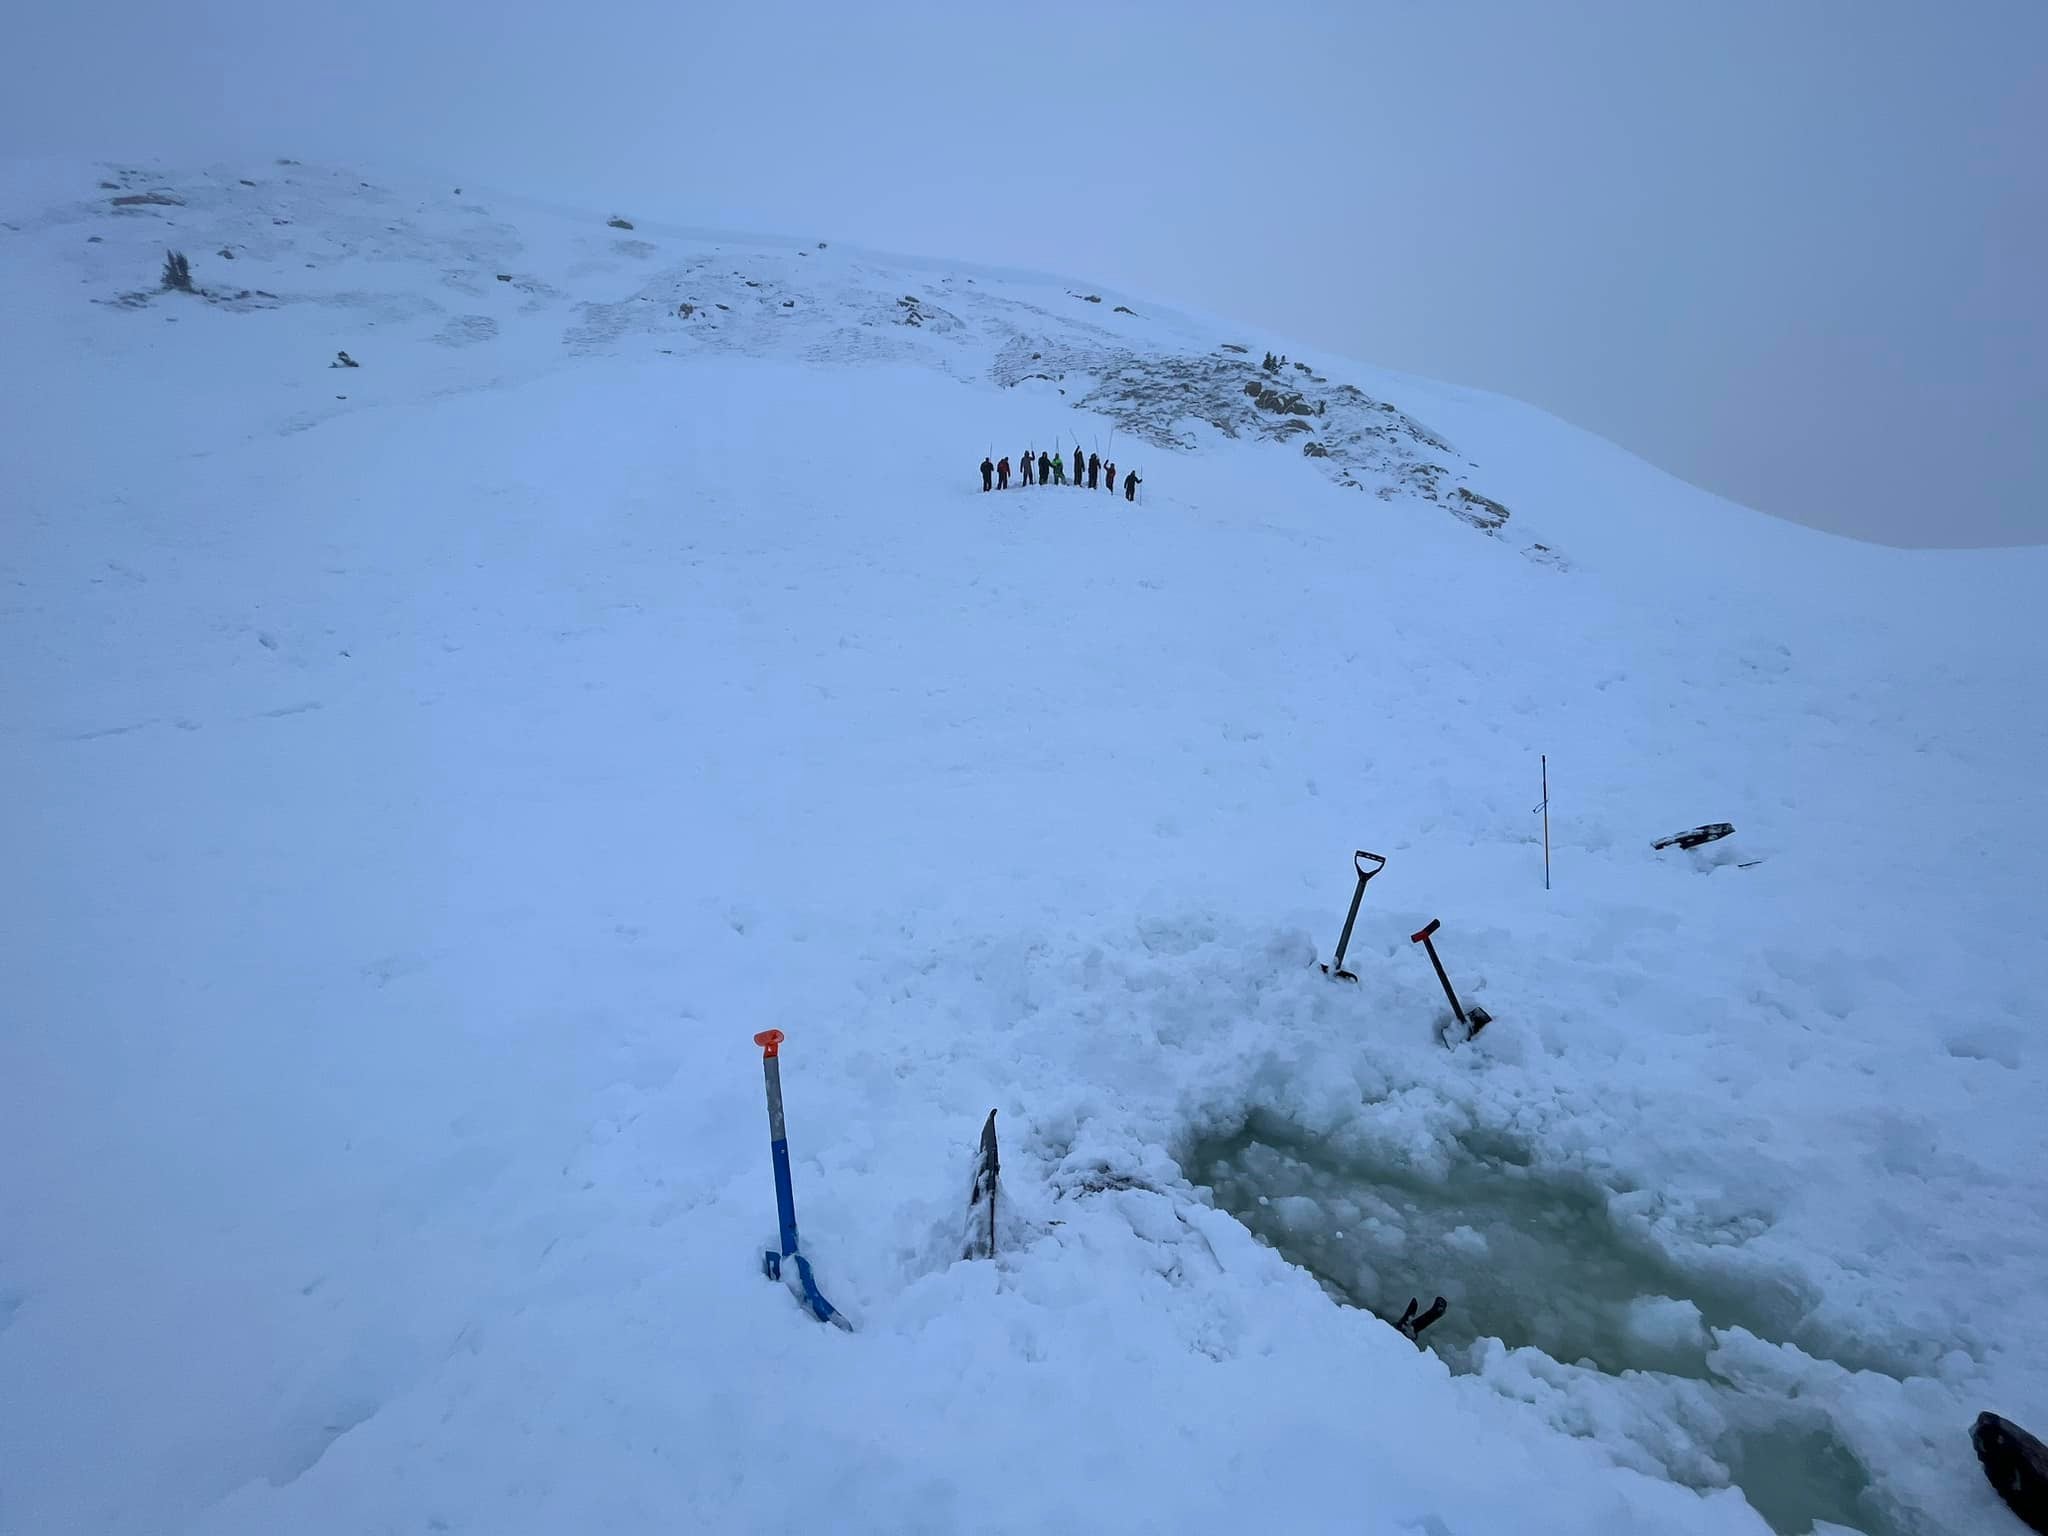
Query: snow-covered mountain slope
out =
(424, 777)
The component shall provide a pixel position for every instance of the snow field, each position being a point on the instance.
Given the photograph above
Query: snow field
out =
(426, 795)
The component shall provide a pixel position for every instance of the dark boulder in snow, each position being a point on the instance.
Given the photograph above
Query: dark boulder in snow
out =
(1282, 402)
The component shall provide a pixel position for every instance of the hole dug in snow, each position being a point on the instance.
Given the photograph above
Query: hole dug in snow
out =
(1534, 1259)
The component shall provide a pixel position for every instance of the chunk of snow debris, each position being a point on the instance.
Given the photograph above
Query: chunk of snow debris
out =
(1667, 1322)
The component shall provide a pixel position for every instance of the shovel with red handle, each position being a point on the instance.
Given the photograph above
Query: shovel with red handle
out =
(1473, 1022)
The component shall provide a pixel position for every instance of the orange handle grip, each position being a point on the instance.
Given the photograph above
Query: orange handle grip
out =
(770, 1041)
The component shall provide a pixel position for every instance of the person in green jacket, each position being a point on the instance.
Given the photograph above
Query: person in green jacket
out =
(1059, 470)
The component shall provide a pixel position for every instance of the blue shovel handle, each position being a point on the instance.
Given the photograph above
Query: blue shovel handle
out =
(788, 1266)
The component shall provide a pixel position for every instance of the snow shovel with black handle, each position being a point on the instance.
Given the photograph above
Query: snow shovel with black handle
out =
(1336, 966)
(1478, 1018)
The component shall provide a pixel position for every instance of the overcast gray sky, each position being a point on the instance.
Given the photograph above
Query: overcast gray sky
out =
(1796, 251)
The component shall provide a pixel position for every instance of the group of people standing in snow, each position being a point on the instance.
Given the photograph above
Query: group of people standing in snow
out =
(1052, 470)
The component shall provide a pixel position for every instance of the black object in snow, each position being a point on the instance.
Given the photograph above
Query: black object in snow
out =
(2017, 1466)
(1712, 832)
(1411, 1325)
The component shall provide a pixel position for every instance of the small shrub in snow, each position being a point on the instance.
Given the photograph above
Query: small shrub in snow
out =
(177, 272)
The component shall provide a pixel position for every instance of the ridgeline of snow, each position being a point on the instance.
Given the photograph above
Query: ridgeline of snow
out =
(425, 776)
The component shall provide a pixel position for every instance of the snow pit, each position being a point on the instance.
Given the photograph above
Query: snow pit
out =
(1554, 1302)
(1524, 1256)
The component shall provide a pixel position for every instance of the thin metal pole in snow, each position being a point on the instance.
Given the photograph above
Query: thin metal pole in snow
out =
(1544, 806)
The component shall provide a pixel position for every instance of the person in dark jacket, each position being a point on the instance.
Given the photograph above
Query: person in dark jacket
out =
(1026, 461)
(1077, 463)
(1094, 470)
(1003, 473)
(1044, 467)
(1110, 477)
(988, 474)
(1131, 486)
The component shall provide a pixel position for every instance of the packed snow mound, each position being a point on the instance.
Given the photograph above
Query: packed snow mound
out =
(473, 664)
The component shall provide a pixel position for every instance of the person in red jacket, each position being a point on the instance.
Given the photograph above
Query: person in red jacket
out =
(1003, 473)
